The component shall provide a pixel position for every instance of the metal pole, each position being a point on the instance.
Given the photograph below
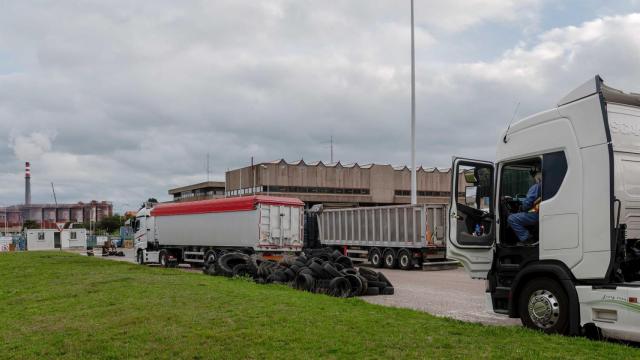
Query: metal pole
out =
(414, 192)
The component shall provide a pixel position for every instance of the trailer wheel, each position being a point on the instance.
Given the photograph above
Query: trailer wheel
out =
(140, 257)
(163, 257)
(544, 306)
(390, 259)
(209, 258)
(404, 260)
(375, 258)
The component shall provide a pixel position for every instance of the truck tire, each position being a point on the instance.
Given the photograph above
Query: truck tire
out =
(544, 306)
(163, 258)
(390, 259)
(210, 258)
(140, 257)
(404, 260)
(375, 258)
(356, 284)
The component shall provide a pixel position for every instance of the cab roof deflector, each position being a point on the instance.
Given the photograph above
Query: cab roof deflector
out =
(610, 94)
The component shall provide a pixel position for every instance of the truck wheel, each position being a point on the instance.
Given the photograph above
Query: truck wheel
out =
(544, 306)
(390, 259)
(404, 260)
(209, 258)
(375, 258)
(163, 257)
(140, 257)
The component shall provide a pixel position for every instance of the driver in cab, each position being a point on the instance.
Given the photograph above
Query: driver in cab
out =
(529, 209)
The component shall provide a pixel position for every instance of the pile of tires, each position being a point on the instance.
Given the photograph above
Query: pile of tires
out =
(319, 271)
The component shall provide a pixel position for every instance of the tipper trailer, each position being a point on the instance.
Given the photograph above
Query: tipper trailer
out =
(197, 232)
(578, 272)
(403, 236)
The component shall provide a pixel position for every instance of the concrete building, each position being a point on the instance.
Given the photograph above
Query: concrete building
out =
(200, 191)
(340, 184)
(47, 215)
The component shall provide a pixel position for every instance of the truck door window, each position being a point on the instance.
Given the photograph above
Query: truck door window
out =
(516, 179)
(554, 168)
(474, 210)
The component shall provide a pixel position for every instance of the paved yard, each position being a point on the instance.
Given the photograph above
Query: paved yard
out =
(448, 293)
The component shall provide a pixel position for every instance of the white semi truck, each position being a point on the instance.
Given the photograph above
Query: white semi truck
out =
(580, 270)
(197, 232)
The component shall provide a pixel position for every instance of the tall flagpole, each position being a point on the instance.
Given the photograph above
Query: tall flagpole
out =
(414, 192)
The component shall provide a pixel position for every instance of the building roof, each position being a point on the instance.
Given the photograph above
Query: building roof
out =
(202, 185)
(243, 203)
(301, 162)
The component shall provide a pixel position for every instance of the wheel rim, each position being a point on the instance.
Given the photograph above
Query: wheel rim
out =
(375, 258)
(404, 260)
(163, 260)
(389, 259)
(544, 309)
(211, 258)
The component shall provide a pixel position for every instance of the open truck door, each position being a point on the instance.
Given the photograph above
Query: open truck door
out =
(471, 216)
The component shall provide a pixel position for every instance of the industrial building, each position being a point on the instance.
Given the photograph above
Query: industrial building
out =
(200, 191)
(47, 215)
(337, 184)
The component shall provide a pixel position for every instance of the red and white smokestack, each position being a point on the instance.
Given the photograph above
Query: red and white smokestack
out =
(27, 183)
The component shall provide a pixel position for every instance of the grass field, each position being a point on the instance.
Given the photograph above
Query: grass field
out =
(59, 305)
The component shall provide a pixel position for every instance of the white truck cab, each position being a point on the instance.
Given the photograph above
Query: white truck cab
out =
(143, 234)
(579, 270)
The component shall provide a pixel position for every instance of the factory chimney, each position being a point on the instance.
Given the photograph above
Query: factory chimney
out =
(27, 183)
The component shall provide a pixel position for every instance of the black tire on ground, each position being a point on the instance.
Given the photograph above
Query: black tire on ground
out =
(372, 291)
(368, 274)
(365, 284)
(384, 279)
(340, 287)
(291, 275)
(227, 261)
(241, 270)
(375, 258)
(140, 257)
(331, 270)
(349, 271)
(390, 258)
(389, 290)
(163, 258)
(304, 282)
(405, 262)
(544, 306)
(356, 284)
(318, 271)
(335, 254)
(345, 261)
(378, 284)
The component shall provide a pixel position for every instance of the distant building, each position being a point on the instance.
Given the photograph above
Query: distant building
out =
(340, 184)
(200, 191)
(47, 215)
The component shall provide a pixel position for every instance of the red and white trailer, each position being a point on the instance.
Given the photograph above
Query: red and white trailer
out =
(197, 232)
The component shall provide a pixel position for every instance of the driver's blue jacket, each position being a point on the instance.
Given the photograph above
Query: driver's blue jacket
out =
(532, 195)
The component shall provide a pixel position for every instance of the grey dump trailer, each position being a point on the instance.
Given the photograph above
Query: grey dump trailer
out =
(403, 236)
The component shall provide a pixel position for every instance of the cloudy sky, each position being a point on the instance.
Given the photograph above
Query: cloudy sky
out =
(121, 100)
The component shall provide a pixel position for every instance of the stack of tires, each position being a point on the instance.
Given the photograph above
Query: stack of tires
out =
(318, 271)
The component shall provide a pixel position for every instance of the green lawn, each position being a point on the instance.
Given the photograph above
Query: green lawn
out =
(60, 305)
